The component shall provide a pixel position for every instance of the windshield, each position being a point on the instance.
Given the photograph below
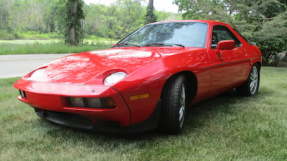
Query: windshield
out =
(185, 34)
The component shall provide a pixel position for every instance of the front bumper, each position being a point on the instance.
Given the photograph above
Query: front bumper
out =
(50, 97)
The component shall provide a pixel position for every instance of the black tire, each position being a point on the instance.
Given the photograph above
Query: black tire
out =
(174, 106)
(247, 89)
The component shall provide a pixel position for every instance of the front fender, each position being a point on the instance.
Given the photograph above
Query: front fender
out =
(141, 90)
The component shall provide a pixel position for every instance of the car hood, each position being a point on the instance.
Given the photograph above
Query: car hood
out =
(94, 66)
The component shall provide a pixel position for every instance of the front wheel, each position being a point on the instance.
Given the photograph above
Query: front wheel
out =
(251, 87)
(174, 104)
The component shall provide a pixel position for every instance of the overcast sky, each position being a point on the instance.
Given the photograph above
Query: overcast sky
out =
(162, 5)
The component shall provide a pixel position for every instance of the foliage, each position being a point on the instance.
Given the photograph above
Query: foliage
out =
(203, 9)
(7, 35)
(5, 5)
(44, 17)
(114, 21)
(119, 19)
(273, 36)
(39, 16)
(224, 128)
(150, 16)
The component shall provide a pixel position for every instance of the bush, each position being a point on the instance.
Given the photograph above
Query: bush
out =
(4, 35)
(272, 38)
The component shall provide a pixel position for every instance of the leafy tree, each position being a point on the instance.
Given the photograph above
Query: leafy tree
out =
(150, 16)
(203, 9)
(28, 17)
(272, 38)
(114, 21)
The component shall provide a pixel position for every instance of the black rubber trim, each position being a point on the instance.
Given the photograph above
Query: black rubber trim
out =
(66, 119)
(106, 126)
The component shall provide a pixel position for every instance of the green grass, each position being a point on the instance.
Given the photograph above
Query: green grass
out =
(38, 43)
(11, 35)
(47, 48)
(225, 128)
(32, 35)
(29, 42)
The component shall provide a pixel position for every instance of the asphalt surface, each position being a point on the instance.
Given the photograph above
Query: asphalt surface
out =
(19, 65)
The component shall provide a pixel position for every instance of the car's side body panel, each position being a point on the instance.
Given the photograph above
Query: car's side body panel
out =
(229, 68)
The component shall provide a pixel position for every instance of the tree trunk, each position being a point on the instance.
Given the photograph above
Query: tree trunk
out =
(72, 29)
(74, 19)
(150, 16)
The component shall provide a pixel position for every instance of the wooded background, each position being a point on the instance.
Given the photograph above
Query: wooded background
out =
(261, 21)
(48, 16)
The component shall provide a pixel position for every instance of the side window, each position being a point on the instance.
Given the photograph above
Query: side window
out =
(221, 33)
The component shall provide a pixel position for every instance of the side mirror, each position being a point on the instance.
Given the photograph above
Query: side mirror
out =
(226, 45)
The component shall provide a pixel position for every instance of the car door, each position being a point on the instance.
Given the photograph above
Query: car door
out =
(227, 65)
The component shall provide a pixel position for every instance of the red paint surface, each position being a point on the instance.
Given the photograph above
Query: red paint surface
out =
(148, 69)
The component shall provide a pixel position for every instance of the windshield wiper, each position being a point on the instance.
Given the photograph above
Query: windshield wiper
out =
(163, 44)
(126, 44)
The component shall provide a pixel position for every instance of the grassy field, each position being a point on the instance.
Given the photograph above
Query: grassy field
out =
(226, 128)
(51, 46)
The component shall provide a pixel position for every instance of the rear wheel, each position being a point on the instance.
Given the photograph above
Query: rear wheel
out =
(251, 87)
(174, 104)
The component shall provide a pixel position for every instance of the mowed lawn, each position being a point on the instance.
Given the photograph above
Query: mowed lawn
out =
(226, 128)
(52, 46)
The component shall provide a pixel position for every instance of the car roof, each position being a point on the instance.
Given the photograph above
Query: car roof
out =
(213, 22)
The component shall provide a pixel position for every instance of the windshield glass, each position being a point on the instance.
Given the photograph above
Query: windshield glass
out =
(185, 34)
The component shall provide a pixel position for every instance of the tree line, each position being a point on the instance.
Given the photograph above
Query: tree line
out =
(56, 16)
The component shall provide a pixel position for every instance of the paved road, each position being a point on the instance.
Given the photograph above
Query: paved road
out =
(18, 65)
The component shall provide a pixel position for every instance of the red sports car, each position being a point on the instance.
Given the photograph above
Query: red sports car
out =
(146, 80)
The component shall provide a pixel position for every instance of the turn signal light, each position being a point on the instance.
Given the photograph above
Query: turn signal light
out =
(103, 103)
